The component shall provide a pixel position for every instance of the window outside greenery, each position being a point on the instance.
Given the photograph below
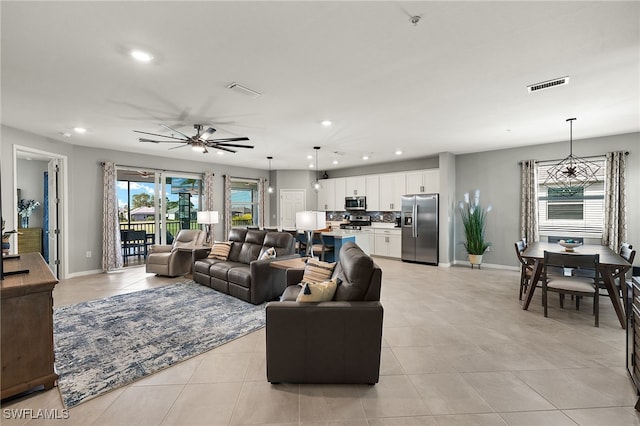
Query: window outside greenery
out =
(244, 203)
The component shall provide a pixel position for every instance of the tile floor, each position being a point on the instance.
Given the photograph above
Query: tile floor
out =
(458, 350)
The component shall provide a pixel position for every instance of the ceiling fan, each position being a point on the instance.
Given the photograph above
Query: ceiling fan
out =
(199, 142)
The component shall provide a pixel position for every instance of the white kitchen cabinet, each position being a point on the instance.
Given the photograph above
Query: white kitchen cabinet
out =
(423, 182)
(355, 186)
(372, 187)
(388, 243)
(326, 193)
(339, 194)
(364, 240)
(392, 188)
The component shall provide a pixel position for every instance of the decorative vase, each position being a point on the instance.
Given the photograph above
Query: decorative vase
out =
(475, 259)
(24, 221)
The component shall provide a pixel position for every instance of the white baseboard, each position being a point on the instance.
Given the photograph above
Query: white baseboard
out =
(489, 265)
(83, 273)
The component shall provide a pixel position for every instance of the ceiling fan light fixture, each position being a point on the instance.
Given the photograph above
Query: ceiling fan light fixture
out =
(199, 147)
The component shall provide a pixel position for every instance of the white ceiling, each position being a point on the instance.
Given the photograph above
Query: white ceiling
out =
(454, 82)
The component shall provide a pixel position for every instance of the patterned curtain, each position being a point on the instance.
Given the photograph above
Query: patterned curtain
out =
(208, 192)
(111, 246)
(615, 202)
(529, 200)
(261, 197)
(227, 205)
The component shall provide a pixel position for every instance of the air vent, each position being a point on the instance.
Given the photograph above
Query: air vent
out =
(548, 84)
(244, 90)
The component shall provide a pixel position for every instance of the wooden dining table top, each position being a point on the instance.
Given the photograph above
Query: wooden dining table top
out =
(607, 256)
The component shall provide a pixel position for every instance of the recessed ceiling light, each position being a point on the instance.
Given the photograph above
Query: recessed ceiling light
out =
(365, 157)
(326, 123)
(335, 161)
(309, 157)
(311, 166)
(141, 56)
(398, 152)
(80, 130)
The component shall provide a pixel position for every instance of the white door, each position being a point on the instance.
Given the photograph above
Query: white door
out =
(291, 201)
(53, 228)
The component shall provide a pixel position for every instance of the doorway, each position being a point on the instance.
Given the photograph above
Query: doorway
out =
(42, 176)
(291, 201)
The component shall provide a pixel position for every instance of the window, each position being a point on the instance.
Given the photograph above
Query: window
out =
(244, 202)
(579, 214)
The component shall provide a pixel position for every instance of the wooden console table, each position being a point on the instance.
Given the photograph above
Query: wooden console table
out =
(27, 325)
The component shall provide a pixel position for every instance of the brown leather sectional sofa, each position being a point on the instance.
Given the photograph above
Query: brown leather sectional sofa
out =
(242, 275)
(329, 342)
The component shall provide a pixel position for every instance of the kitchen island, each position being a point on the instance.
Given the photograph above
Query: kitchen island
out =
(338, 237)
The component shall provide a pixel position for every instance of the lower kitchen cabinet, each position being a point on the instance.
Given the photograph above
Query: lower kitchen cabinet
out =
(388, 243)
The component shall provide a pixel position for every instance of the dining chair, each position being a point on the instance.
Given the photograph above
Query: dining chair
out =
(320, 244)
(556, 281)
(619, 275)
(526, 267)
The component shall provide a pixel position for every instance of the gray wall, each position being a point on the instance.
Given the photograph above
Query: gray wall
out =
(390, 167)
(497, 175)
(30, 177)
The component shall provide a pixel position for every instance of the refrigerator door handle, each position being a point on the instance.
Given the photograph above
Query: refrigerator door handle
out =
(414, 227)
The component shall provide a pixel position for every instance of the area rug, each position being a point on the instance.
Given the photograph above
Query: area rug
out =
(103, 344)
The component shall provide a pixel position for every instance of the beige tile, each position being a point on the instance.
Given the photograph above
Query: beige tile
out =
(140, 405)
(418, 360)
(261, 402)
(537, 418)
(222, 367)
(470, 419)
(331, 403)
(612, 416)
(505, 392)
(449, 393)
(178, 374)
(393, 396)
(581, 387)
(204, 404)
(404, 421)
(389, 364)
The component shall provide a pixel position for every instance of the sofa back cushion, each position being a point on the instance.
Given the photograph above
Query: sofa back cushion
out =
(359, 277)
(237, 236)
(252, 246)
(188, 238)
(283, 242)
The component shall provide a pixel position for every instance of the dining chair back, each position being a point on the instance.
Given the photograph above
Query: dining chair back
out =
(554, 280)
(526, 267)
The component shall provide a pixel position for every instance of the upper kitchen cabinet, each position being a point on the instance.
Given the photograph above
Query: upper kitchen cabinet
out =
(373, 192)
(355, 186)
(423, 182)
(392, 188)
(339, 194)
(326, 194)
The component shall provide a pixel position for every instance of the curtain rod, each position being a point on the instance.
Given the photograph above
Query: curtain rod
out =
(154, 169)
(559, 159)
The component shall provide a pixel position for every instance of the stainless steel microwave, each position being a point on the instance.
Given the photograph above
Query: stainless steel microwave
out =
(355, 203)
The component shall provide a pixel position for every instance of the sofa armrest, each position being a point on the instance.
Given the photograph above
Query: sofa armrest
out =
(160, 248)
(267, 283)
(327, 342)
(201, 253)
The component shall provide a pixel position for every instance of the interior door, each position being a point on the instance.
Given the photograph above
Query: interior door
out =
(291, 201)
(52, 229)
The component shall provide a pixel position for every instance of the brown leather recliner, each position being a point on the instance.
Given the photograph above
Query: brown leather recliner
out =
(168, 260)
(329, 342)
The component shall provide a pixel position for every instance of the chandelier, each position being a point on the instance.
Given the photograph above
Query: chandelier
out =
(572, 174)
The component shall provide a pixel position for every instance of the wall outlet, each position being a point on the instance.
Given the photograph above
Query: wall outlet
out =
(88, 254)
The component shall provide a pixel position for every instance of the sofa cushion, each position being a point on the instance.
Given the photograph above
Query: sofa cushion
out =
(220, 250)
(355, 269)
(240, 275)
(317, 271)
(317, 292)
(237, 235)
(221, 269)
(283, 242)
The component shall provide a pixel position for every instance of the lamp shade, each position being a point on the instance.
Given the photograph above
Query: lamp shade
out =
(310, 220)
(207, 217)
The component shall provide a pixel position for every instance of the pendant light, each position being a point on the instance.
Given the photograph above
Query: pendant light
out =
(270, 188)
(316, 184)
(572, 174)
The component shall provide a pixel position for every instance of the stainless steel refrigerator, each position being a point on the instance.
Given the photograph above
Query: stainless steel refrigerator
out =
(420, 228)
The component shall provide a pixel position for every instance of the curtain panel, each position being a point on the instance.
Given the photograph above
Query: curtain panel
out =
(614, 232)
(227, 206)
(529, 200)
(261, 202)
(111, 245)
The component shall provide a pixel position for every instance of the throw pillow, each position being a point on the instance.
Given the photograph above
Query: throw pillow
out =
(317, 292)
(269, 253)
(317, 271)
(220, 250)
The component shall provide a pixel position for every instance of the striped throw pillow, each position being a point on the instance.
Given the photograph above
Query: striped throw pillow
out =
(317, 271)
(220, 250)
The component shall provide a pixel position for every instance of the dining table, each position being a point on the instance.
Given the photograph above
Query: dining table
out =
(609, 262)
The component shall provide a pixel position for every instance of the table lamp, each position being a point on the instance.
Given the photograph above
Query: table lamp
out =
(308, 221)
(207, 218)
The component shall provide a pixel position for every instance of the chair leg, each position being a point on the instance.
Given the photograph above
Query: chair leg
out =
(561, 300)
(544, 299)
(596, 307)
(578, 303)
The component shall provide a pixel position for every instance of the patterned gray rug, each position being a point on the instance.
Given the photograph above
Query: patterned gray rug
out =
(103, 344)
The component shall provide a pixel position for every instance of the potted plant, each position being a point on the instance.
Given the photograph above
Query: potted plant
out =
(474, 218)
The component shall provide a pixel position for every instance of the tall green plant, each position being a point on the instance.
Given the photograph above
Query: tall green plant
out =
(474, 218)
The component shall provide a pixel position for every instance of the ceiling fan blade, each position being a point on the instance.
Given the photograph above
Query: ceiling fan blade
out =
(228, 140)
(179, 146)
(152, 141)
(174, 130)
(207, 133)
(221, 148)
(162, 136)
(231, 145)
